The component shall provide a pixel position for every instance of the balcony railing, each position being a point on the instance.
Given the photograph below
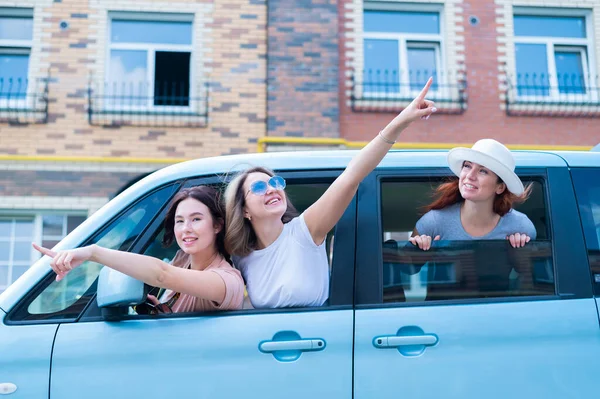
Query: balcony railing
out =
(392, 90)
(164, 104)
(23, 101)
(565, 95)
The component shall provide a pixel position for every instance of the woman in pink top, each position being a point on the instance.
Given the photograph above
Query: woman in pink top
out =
(200, 277)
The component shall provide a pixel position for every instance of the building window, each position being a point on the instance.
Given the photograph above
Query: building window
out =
(552, 56)
(402, 49)
(149, 61)
(16, 35)
(400, 46)
(18, 232)
(55, 227)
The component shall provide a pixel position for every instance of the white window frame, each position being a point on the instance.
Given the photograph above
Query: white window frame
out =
(63, 234)
(422, 40)
(151, 49)
(17, 46)
(583, 45)
(584, 62)
(37, 237)
(10, 263)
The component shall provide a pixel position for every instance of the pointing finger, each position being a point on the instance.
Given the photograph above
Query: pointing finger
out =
(423, 92)
(44, 251)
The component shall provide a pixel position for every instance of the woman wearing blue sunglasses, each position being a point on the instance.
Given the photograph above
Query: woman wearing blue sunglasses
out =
(281, 255)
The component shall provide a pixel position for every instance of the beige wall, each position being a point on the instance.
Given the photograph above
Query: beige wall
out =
(229, 46)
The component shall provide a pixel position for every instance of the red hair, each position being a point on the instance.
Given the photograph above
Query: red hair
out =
(448, 194)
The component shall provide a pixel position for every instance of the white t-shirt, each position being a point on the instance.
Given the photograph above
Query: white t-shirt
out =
(292, 271)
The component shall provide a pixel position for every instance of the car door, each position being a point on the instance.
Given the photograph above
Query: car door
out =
(292, 353)
(25, 352)
(479, 319)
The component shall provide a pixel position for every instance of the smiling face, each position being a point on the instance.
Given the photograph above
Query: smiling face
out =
(194, 228)
(271, 204)
(478, 183)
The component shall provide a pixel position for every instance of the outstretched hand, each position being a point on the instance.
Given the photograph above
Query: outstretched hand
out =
(419, 107)
(65, 261)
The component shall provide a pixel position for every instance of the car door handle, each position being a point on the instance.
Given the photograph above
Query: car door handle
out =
(394, 341)
(303, 345)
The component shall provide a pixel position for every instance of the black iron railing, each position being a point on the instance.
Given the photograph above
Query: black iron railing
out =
(565, 95)
(160, 104)
(23, 101)
(393, 90)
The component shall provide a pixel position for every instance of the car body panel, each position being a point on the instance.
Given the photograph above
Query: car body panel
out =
(25, 353)
(533, 349)
(203, 357)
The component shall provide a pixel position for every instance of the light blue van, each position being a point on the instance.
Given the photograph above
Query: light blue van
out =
(479, 320)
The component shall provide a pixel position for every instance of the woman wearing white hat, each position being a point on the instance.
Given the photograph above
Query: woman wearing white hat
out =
(477, 205)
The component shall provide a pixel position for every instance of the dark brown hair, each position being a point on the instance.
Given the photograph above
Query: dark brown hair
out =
(448, 193)
(209, 197)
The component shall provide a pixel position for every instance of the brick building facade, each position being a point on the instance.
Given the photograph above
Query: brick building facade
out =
(303, 69)
(474, 47)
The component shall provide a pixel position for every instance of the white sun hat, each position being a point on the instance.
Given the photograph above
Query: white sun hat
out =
(491, 154)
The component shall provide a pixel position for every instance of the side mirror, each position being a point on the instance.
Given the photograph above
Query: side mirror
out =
(116, 292)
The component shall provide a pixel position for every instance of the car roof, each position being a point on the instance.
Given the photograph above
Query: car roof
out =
(581, 159)
(328, 160)
(225, 166)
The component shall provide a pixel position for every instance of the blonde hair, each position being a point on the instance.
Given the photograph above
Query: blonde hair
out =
(240, 238)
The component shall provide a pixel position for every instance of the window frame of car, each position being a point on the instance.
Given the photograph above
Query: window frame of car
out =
(341, 293)
(342, 270)
(15, 316)
(571, 271)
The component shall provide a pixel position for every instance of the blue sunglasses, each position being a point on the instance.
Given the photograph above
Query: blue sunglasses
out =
(260, 187)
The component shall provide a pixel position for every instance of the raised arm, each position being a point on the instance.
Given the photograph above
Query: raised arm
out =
(323, 215)
(152, 271)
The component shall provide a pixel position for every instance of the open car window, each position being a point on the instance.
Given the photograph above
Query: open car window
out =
(454, 270)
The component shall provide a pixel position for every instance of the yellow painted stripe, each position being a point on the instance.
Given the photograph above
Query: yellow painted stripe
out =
(412, 146)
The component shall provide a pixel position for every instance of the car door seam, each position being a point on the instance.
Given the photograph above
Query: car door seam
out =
(51, 358)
